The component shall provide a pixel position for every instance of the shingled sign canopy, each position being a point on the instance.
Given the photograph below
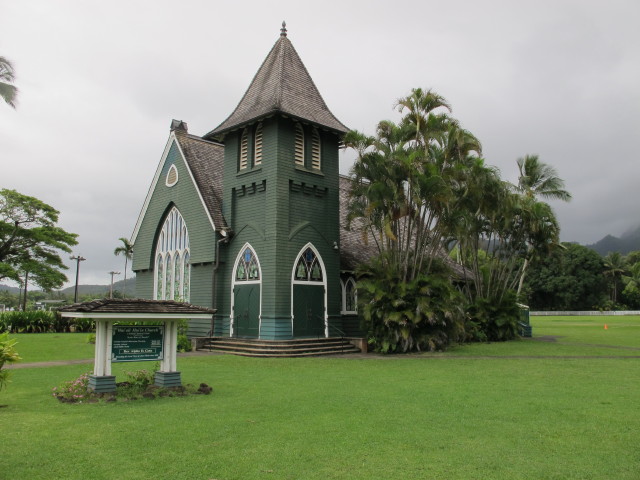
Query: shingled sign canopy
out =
(106, 312)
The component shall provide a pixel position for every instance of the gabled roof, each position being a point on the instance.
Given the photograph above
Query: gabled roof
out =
(282, 85)
(206, 161)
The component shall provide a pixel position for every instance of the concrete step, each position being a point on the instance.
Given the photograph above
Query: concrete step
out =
(281, 348)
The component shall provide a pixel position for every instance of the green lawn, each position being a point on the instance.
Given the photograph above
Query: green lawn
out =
(518, 411)
(42, 347)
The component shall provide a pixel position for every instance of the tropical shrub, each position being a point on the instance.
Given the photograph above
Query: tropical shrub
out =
(184, 344)
(41, 321)
(423, 314)
(28, 322)
(141, 378)
(8, 354)
(493, 320)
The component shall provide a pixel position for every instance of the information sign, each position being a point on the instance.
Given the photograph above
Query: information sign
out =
(137, 343)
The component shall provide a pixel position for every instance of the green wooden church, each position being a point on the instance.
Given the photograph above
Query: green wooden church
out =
(248, 218)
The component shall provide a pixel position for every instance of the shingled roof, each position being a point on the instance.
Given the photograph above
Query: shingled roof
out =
(282, 85)
(206, 162)
(135, 306)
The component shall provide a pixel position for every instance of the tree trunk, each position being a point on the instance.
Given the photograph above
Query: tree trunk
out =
(524, 271)
(124, 293)
(26, 280)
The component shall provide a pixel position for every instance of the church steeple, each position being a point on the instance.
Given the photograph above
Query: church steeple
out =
(281, 85)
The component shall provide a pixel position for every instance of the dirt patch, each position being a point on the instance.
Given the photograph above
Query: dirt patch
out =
(547, 338)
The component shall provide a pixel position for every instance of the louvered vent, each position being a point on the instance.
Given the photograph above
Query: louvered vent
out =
(172, 176)
(258, 145)
(315, 149)
(299, 145)
(244, 150)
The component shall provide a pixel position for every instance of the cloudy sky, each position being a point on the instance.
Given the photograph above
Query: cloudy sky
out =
(100, 82)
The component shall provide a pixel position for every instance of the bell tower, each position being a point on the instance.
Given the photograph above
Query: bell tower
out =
(279, 271)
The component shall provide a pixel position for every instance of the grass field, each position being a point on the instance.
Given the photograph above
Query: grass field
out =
(563, 409)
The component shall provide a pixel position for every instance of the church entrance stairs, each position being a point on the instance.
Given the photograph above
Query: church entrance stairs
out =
(281, 348)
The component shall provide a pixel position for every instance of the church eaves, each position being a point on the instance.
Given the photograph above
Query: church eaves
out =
(282, 85)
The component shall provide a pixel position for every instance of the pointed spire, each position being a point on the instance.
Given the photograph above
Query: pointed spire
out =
(281, 85)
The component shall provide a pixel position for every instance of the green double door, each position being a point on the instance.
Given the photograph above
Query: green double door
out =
(308, 310)
(246, 308)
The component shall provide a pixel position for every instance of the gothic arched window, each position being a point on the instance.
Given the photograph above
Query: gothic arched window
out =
(308, 267)
(172, 268)
(248, 269)
(349, 296)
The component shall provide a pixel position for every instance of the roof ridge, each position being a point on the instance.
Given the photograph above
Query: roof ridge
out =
(203, 140)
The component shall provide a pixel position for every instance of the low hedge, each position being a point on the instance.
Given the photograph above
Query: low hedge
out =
(42, 322)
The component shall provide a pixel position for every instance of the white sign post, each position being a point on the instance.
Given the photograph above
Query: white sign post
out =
(108, 311)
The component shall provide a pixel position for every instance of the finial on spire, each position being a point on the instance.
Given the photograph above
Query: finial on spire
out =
(283, 30)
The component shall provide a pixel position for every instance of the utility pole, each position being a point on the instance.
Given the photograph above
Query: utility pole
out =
(111, 288)
(78, 259)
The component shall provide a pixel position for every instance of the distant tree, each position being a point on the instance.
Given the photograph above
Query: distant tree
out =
(632, 258)
(8, 299)
(125, 249)
(30, 240)
(568, 279)
(631, 292)
(8, 92)
(615, 268)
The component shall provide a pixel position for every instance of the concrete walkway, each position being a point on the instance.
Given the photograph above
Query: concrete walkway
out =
(58, 363)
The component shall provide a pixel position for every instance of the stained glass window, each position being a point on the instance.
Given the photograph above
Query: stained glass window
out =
(247, 269)
(177, 283)
(173, 271)
(186, 277)
(159, 277)
(168, 274)
(308, 267)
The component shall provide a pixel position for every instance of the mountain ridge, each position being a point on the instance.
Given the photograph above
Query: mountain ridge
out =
(626, 243)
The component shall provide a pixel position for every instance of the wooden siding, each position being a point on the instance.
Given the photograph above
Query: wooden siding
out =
(144, 284)
(184, 196)
(351, 325)
(272, 208)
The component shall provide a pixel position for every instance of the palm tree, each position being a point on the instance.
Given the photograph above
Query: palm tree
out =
(8, 92)
(537, 179)
(125, 249)
(614, 267)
